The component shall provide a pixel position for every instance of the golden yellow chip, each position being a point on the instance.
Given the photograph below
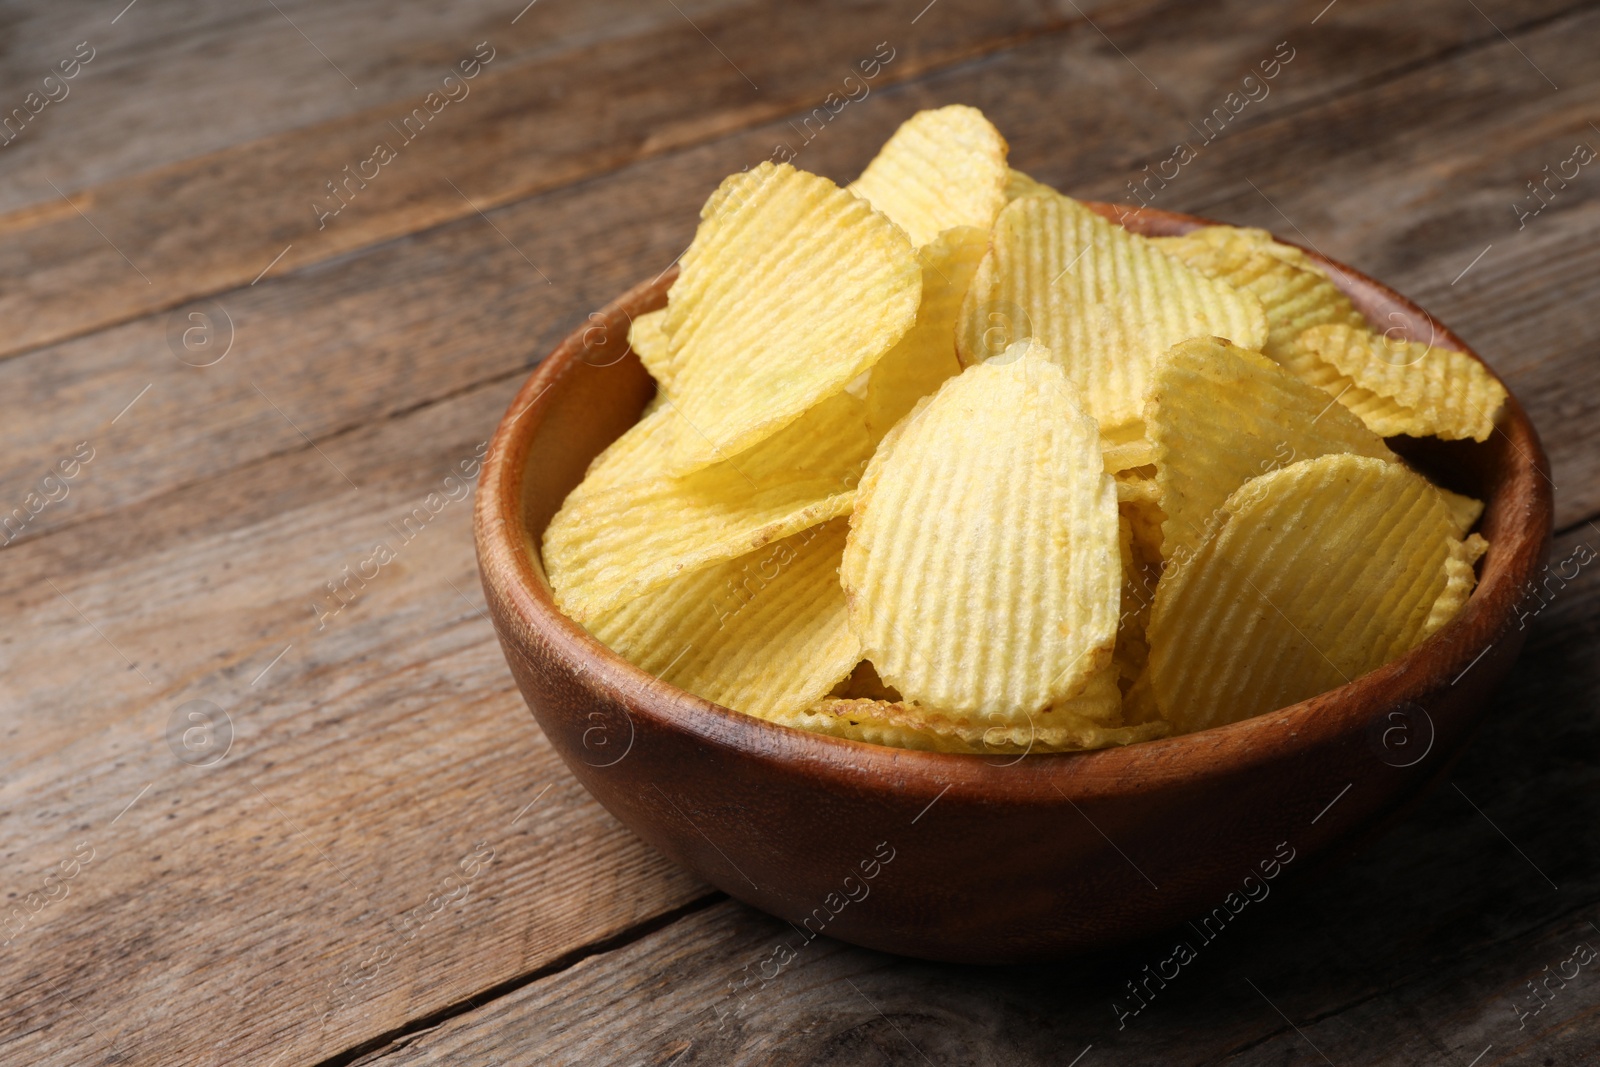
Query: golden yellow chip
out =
(982, 566)
(1460, 579)
(1464, 510)
(941, 169)
(1219, 415)
(1294, 294)
(1105, 302)
(1019, 184)
(605, 547)
(1407, 387)
(764, 633)
(926, 355)
(1126, 447)
(791, 288)
(648, 340)
(1090, 721)
(1321, 571)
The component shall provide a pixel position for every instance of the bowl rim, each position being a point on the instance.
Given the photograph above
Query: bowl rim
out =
(507, 551)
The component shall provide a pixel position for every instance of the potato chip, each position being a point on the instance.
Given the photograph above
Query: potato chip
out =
(791, 288)
(1126, 447)
(648, 340)
(1105, 302)
(1219, 415)
(607, 546)
(941, 169)
(1320, 572)
(982, 567)
(1019, 184)
(1407, 387)
(926, 355)
(1293, 293)
(1090, 721)
(1464, 510)
(764, 633)
(1460, 579)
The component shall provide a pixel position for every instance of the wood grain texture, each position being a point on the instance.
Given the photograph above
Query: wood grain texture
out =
(366, 763)
(205, 225)
(1416, 952)
(199, 533)
(169, 82)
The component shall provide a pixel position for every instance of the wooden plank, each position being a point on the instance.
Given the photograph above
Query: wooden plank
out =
(427, 317)
(169, 82)
(369, 760)
(1418, 951)
(208, 224)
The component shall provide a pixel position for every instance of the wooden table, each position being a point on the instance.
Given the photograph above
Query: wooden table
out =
(265, 804)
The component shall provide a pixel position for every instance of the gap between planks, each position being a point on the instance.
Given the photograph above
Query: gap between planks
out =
(374, 1049)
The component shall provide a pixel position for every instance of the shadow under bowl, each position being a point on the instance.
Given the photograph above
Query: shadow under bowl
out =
(970, 858)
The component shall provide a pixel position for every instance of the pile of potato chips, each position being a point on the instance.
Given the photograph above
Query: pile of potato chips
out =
(947, 460)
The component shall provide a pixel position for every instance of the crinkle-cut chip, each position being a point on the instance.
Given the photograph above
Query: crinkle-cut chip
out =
(764, 633)
(649, 342)
(1137, 485)
(1219, 415)
(1126, 447)
(926, 355)
(1105, 302)
(1139, 579)
(1464, 510)
(606, 547)
(1321, 572)
(982, 566)
(1256, 238)
(1460, 579)
(1437, 391)
(1139, 705)
(791, 288)
(639, 454)
(1293, 294)
(1089, 722)
(942, 168)
(1019, 184)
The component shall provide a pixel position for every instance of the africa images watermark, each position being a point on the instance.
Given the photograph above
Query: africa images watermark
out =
(853, 888)
(453, 89)
(834, 103)
(344, 591)
(1252, 89)
(53, 89)
(51, 489)
(1153, 979)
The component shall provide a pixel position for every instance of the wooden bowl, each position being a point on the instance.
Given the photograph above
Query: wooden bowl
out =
(972, 858)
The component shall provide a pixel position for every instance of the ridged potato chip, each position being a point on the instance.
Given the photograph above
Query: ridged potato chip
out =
(648, 339)
(1090, 721)
(605, 547)
(982, 569)
(1460, 579)
(1219, 415)
(1105, 302)
(926, 355)
(1019, 184)
(764, 633)
(791, 288)
(1464, 510)
(1126, 447)
(1407, 387)
(1293, 293)
(941, 169)
(1321, 571)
